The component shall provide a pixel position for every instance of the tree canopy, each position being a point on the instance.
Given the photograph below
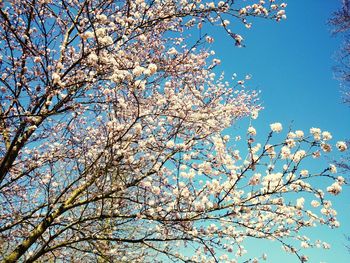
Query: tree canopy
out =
(113, 144)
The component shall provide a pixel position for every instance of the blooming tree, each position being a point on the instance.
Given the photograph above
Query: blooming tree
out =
(113, 145)
(340, 21)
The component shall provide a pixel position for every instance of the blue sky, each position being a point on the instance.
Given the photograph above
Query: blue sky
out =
(291, 63)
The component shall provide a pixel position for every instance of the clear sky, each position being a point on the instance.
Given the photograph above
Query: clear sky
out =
(291, 63)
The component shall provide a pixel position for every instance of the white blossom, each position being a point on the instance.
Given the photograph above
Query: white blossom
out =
(251, 131)
(341, 146)
(276, 127)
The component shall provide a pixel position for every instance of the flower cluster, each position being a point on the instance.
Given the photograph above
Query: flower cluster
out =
(114, 144)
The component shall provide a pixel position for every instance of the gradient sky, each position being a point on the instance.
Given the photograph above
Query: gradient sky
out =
(291, 63)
